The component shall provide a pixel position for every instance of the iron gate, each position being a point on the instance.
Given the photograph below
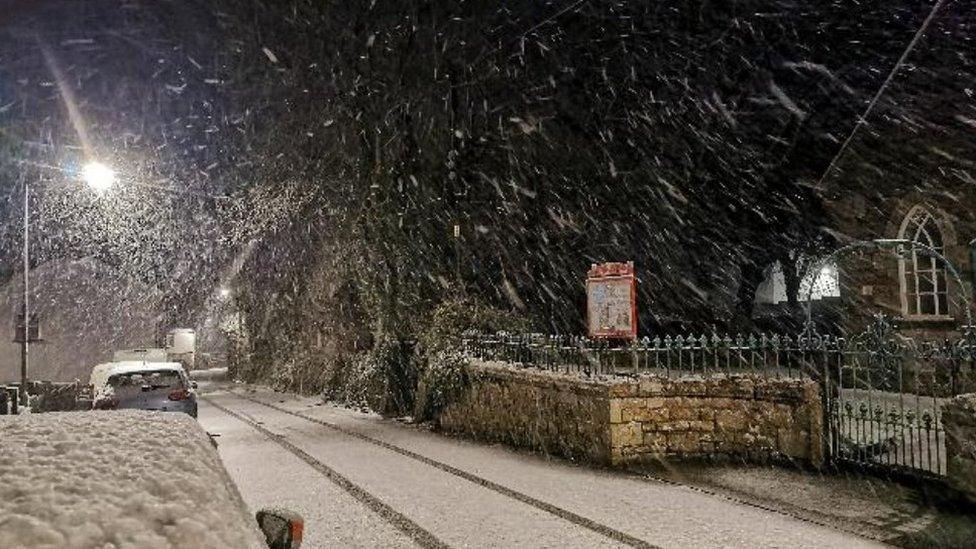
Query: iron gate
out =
(883, 395)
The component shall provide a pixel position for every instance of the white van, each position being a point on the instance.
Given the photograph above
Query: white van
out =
(147, 355)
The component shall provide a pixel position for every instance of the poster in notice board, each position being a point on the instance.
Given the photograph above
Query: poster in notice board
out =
(611, 301)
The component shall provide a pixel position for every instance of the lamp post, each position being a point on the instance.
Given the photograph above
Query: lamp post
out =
(99, 178)
(25, 344)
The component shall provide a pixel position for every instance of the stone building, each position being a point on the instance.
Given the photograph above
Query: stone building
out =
(909, 173)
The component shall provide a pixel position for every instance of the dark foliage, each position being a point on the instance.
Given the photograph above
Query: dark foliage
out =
(353, 136)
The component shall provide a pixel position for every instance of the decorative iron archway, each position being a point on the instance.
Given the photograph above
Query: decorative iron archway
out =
(881, 392)
(898, 247)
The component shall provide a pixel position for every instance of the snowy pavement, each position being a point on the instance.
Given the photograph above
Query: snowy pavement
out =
(362, 481)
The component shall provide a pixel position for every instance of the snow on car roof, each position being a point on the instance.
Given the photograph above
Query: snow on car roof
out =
(130, 366)
(124, 478)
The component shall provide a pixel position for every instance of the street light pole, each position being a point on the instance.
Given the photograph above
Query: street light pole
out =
(99, 178)
(25, 344)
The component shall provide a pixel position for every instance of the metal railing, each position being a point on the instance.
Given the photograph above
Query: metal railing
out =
(881, 393)
(769, 356)
(877, 357)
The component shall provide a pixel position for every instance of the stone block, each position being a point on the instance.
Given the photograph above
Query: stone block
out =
(699, 425)
(655, 402)
(730, 420)
(759, 442)
(694, 387)
(683, 443)
(959, 421)
(655, 441)
(616, 456)
(707, 436)
(626, 434)
(743, 388)
(657, 416)
(686, 425)
(650, 387)
(780, 415)
(720, 403)
(616, 410)
(623, 390)
(811, 392)
(629, 407)
(729, 387)
(706, 414)
(567, 398)
(770, 391)
(793, 443)
(683, 413)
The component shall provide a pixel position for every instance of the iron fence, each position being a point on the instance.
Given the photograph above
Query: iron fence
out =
(878, 359)
(772, 356)
(881, 393)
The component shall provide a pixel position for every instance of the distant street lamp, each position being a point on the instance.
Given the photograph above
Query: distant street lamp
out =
(98, 176)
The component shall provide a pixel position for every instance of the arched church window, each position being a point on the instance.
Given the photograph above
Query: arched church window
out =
(925, 290)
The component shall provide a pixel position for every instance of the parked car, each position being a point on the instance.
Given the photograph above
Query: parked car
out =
(160, 386)
(125, 479)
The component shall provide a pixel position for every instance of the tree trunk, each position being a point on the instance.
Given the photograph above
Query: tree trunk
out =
(750, 277)
(792, 279)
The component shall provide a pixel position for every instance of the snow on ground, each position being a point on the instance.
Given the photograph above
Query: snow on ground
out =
(121, 479)
(464, 513)
(212, 374)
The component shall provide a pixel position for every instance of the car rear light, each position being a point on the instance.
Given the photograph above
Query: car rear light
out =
(297, 532)
(179, 394)
(109, 403)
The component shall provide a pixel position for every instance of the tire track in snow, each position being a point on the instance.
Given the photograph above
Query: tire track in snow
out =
(423, 537)
(564, 514)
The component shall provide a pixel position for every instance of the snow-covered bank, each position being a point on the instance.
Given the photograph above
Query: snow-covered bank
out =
(212, 374)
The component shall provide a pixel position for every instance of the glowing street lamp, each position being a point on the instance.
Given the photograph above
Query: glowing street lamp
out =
(98, 176)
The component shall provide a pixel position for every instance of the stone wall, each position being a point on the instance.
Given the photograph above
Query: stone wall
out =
(646, 420)
(557, 414)
(656, 419)
(959, 421)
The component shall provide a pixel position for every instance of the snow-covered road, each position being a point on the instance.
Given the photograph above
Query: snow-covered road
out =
(361, 481)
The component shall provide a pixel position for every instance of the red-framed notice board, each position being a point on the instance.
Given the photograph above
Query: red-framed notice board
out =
(611, 301)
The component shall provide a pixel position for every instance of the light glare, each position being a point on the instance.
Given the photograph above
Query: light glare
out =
(98, 176)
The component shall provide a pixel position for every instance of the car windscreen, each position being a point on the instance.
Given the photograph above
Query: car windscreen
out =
(149, 380)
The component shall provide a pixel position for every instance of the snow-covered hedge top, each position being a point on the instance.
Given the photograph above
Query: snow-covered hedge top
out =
(120, 479)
